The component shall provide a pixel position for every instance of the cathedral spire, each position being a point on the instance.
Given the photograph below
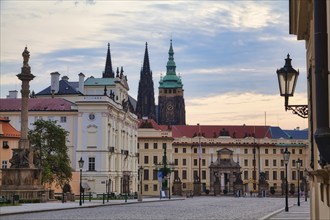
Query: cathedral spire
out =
(108, 72)
(145, 106)
(170, 67)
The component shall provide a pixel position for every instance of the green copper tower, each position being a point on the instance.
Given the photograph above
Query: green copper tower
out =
(171, 107)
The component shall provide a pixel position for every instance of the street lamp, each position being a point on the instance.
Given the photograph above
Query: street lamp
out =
(287, 80)
(286, 157)
(140, 176)
(81, 165)
(298, 169)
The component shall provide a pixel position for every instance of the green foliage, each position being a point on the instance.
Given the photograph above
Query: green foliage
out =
(48, 141)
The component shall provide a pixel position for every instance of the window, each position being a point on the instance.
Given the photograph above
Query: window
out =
(274, 151)
(146, 146)
(293, 163)
(146, 174)
(91, 163)
(266, 163)
(195, 174)
(203, 175)
(266, 151)
(195, 162)
(246, 162)
(274, 163)
(146, 187)
(293, 175)
(155, 145)
(274, 175)
(176, 150)
(155, 160)
(300, 151)
(253, 162)
(267, 175)
(146, 159)
(184, 174)
(245, 151)
(195, 150)
(184, 185)
(155, 174)
(4, 164)
(176, 162)
(282, 163)
(282, 175)
(203, 150)
(5, 144)
(184, 162)
(184, 150)
(254, 174)
(176, 174)
(138, 145)
(293, 151)
(155, 187)
(164, 145)
(246, 174)
(203, 162)
(63, 119)
(282, 151)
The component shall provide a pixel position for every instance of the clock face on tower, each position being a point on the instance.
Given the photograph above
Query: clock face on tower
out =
(169, 106)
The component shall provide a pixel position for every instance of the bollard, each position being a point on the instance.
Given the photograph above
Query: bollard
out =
(126, 197)
(103, 197)
(90, 196)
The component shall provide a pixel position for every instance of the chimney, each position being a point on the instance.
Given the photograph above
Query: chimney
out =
(12, 94)
(65, 78)
(55, 84)
(81, 82)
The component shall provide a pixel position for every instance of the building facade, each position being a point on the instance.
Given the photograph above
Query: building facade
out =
(171, 106)
(254, 149)
(9, 138)
(309, 21)
(98, 114)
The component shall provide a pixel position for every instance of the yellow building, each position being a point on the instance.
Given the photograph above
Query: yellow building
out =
(309, 21)
(253, 148)
(9, 138)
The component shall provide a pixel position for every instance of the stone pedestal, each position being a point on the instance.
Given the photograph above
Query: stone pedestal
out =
(217, 189)
(24, 182)
(177, 187)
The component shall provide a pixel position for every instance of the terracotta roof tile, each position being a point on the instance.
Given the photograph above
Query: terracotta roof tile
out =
(7, 129)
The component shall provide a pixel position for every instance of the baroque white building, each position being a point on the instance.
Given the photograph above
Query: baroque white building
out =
(98, 114)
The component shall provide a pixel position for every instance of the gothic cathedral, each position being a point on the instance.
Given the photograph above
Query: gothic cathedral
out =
(171, 107)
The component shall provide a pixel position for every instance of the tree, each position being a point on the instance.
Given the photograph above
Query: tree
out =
(48, 142)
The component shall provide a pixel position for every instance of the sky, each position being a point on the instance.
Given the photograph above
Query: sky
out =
(226, 52)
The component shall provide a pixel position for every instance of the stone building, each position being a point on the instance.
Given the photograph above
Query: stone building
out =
(309, 21)
(248, 150)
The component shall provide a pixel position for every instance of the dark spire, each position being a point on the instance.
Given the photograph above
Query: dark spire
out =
(108, 72)
(146, 65)
(145, 106)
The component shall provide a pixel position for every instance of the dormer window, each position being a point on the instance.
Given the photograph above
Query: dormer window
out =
(5, 145)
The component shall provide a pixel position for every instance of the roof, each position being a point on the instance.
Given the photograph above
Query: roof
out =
(150, 123)
(91, 81)
(297, 134)
(7, 130)
(65, 88)
(214, 131)
(36, 104)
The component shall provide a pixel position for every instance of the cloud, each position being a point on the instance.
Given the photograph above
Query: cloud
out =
(244, 108)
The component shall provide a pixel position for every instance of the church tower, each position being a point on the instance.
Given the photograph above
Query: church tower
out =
(171, 107)
(108, 72)
(145, 106)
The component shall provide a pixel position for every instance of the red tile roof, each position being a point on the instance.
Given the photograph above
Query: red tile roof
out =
(37, 104)
(214, 131)
(150, 123)
(7, 129)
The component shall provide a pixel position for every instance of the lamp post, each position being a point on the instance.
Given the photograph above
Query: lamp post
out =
(287, 80)
(298, 169)
(286, 157)
(81, 165)
(140, 176)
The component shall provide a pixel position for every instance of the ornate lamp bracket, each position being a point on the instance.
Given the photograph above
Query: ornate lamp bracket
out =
(300, 110)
